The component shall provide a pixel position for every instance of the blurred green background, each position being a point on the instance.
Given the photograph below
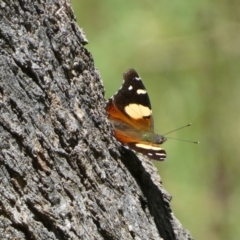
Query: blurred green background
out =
(188, 55)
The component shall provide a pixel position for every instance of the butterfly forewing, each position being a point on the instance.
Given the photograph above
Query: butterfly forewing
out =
(133, 101)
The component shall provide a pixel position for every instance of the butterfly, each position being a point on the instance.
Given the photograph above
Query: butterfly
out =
(130, 112)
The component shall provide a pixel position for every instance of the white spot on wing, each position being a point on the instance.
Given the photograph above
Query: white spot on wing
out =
(160, 154)
(130, 88)
(138, 78)
(141, 91)
(137, 111)
(145, 146)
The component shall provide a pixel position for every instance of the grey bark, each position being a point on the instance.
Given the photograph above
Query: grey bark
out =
(62, 175)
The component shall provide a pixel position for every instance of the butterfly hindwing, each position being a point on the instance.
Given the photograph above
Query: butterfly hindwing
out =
(151, 150)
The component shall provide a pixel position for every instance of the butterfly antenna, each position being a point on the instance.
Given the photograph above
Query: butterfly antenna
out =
(188, 125)
(182, 140)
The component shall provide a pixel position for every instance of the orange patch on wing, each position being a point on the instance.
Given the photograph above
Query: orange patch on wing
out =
(116, 114)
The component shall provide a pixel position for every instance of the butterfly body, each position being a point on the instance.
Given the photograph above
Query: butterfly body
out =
(131, 115)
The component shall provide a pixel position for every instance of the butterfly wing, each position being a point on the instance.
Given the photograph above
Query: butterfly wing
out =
(133, 103)
(151, 150)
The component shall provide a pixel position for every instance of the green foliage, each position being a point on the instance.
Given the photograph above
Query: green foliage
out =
(188, 55)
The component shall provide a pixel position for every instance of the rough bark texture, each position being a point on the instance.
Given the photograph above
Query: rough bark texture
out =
(62, 175)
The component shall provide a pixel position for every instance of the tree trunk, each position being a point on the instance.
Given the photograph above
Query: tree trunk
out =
(62, 174)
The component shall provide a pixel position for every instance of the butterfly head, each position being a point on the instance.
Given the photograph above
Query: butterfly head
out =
(154, 138)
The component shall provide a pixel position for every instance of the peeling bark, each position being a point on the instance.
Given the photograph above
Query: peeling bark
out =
(62, 175)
